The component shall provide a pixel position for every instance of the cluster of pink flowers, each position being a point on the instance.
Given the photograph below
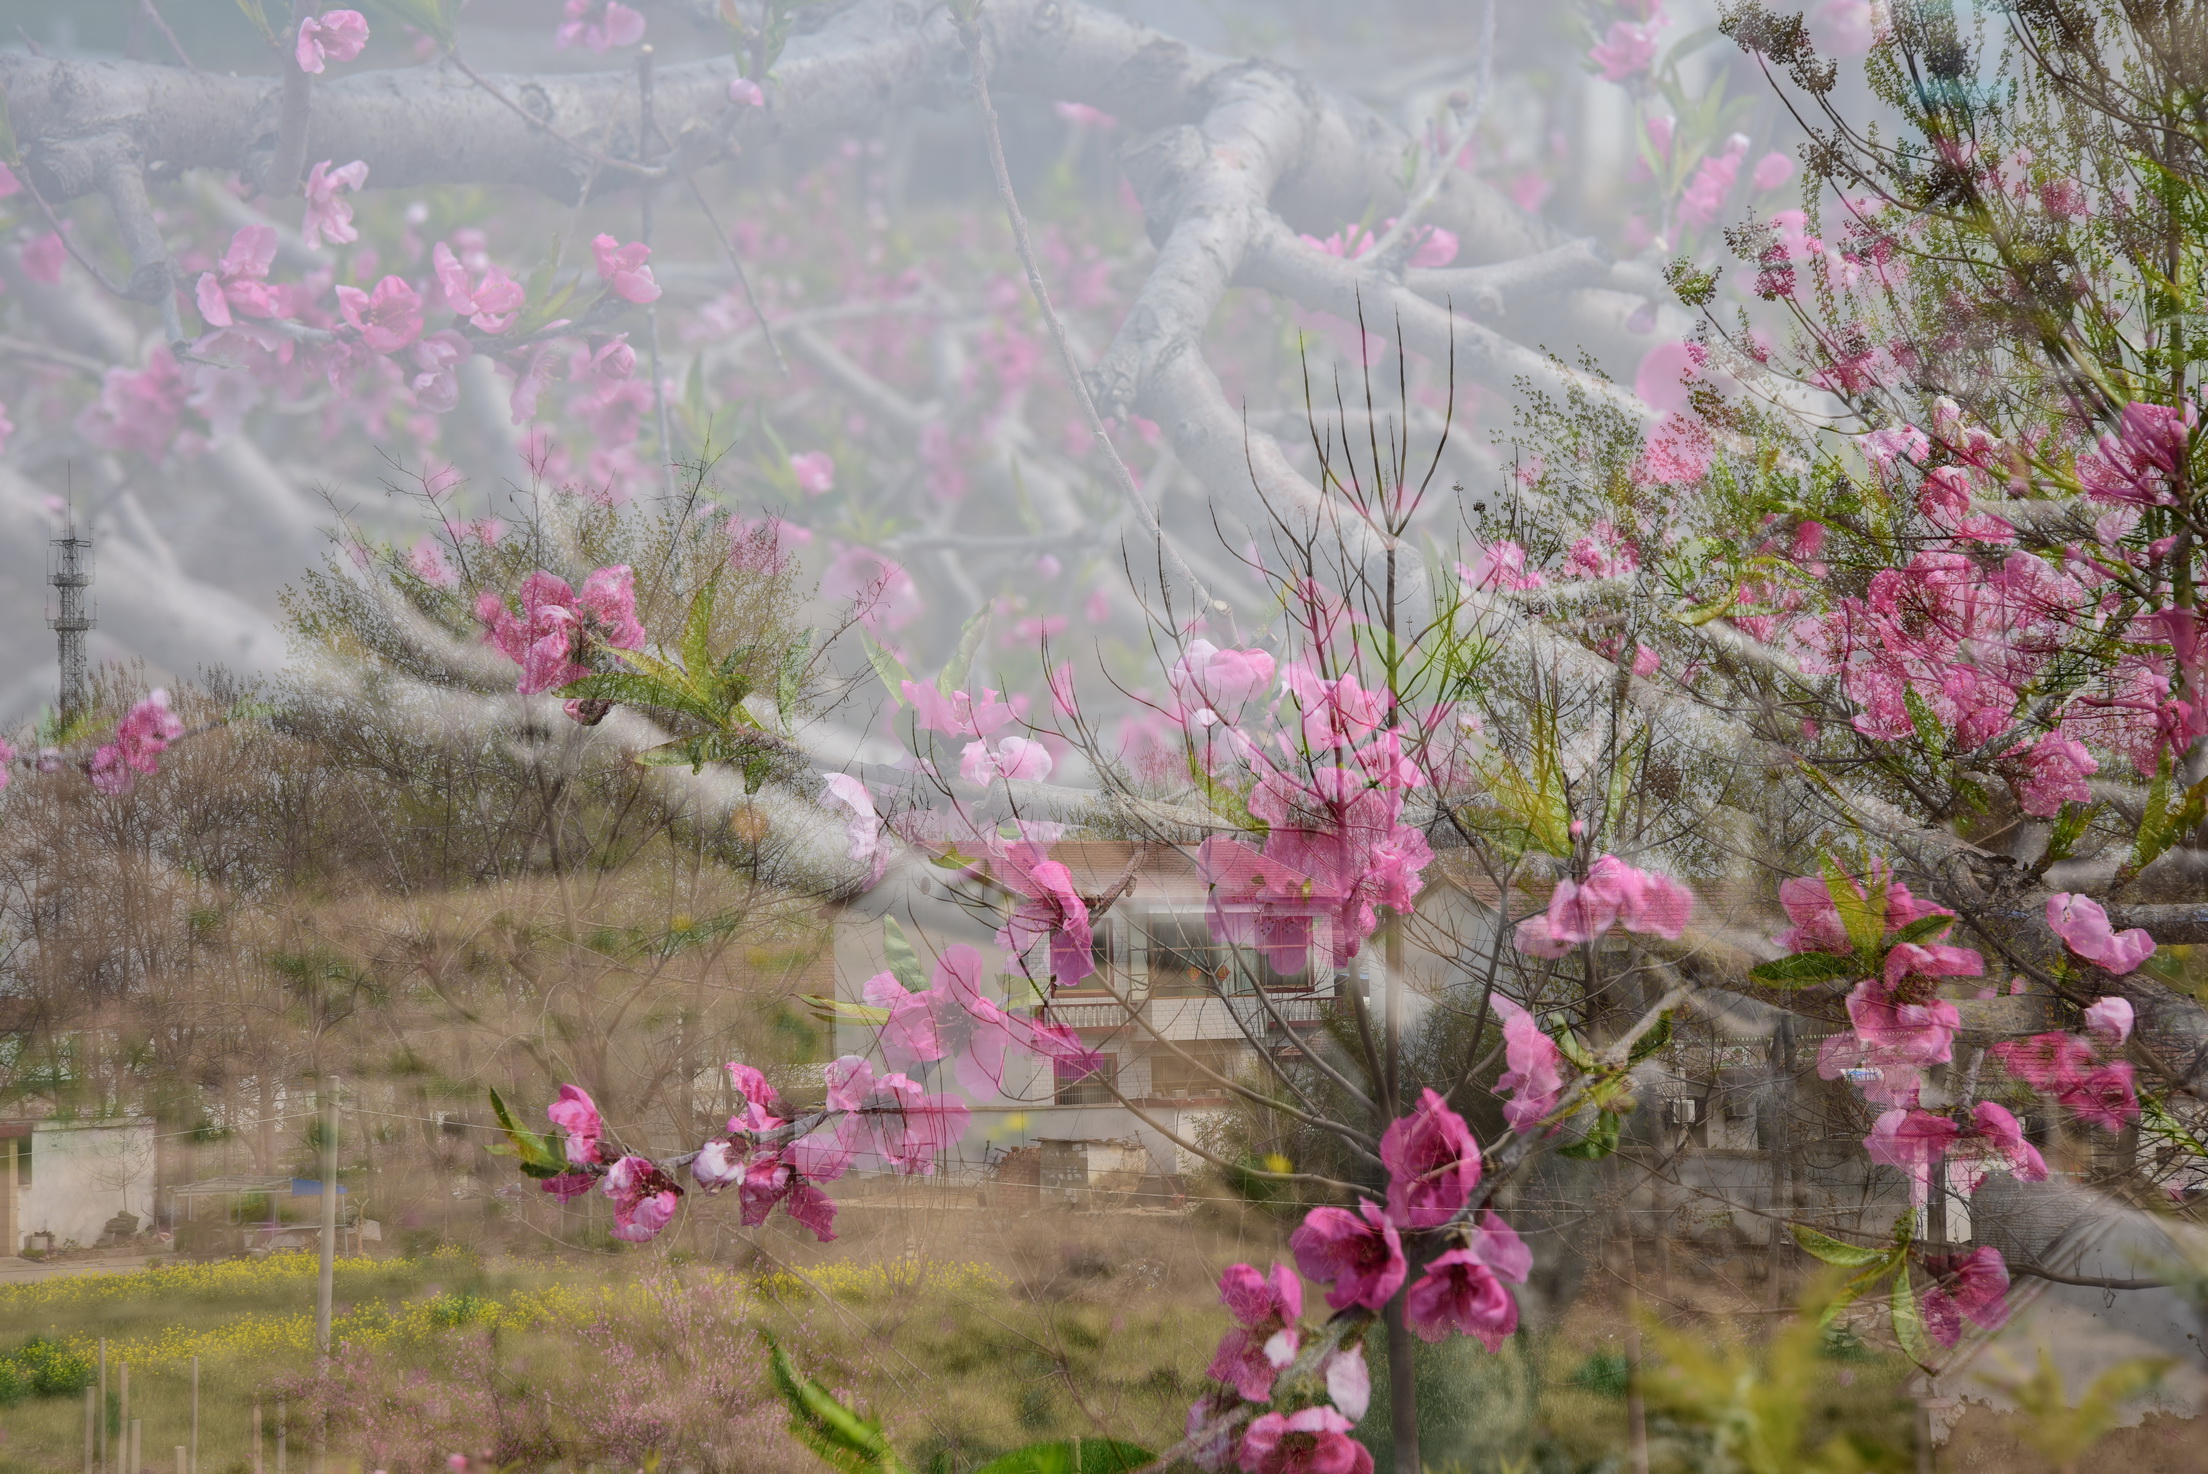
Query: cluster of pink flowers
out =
(1901, 1023)
(600, 25)
(955, 1020)
(1628, 46)
(2071, 1070)
(1535, 1067)
(557, 631)
(1434, 247)
(1915, 1140)
(1612, 894)
(1434, 1166)
(144, 733)
(1337, 850)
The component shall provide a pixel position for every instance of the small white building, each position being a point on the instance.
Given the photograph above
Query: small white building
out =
(67, 1179)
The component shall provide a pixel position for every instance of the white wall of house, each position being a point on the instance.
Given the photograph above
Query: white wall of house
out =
(82, 1174)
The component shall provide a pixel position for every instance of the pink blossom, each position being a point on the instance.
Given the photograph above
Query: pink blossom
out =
(1908, 1033)
(746, 93)
(2109, 1020)
(1808, 901)
(1208, 679)
(1459, 1293)
(1612, 894)
(1433, 1164)
(491, 304)
(815, 472)
(862, 832)
(1886, 447)
(329, 219)
(622, 267)
(576, 1114)
(1359, 1253)
(9, 184)
(387, 319)
(241, 280)
(2052, 1062)
(439, 356)
(137, 409)
(1265, 1310)
(1313, 1441)
(1018, 759)
(44, 258)
(1049, 905)
(1625, 50)
(1772, 170)
(1973, 1286)
(2143, 461)
(1844, 27)
(337, 35)
(953, 1020)
(557, 627)
(2055, 770)
(1500, 565)
(1914, 1141)
(2084, 928)
(1706, 193)
(600, 25)
(144, 733)
(1995, 1142)
(1349, 1382)
(958, 714)
(719, 1164)
(427, 561)
(1082, 116)
(644, 1199)
(1535, 1076)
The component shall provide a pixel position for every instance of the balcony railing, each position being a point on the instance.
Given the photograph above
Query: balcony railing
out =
(1231, 1017)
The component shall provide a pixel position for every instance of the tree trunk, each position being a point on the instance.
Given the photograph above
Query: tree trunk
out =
(1402, 1388)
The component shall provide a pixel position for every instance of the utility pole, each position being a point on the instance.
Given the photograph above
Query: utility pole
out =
(71, 576)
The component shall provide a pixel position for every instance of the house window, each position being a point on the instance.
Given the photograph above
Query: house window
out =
(1184, 961)
(1193, 1068)
(1077, 1086)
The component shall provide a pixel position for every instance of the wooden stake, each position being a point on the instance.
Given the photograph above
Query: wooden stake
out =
(103, 1403)
(91, 1437)
(123, 1450)
(137, 1438)
(257, 1434)
(193, 1467)
(283, 1428)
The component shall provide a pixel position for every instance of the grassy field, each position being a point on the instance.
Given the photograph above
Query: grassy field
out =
(967, 1330)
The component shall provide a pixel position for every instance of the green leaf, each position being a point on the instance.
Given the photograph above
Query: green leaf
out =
(903, 961)
(535, 1153)
(2069, 828)
(1656, 1038)
(827, 1008)
(887, 666)
(1073, 1456)
(960, 668)
(1832, 1251)
(259, 18)
(1576, 1052)
(1908, 1319)
(1918, 930)
(1804, 970)
(2169, 826)
(8, 149)
(789, 684)
(1862, 912)
(697, 631)
(633, 689)
(433, 17)
(1598, 1143)
(842, 1438)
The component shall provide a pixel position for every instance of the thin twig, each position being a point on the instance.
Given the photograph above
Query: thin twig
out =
(1395, 246)
(743, 277)
(170, 36)
(969, 31)
(293, 110)
(644, 128)
(597, 159)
